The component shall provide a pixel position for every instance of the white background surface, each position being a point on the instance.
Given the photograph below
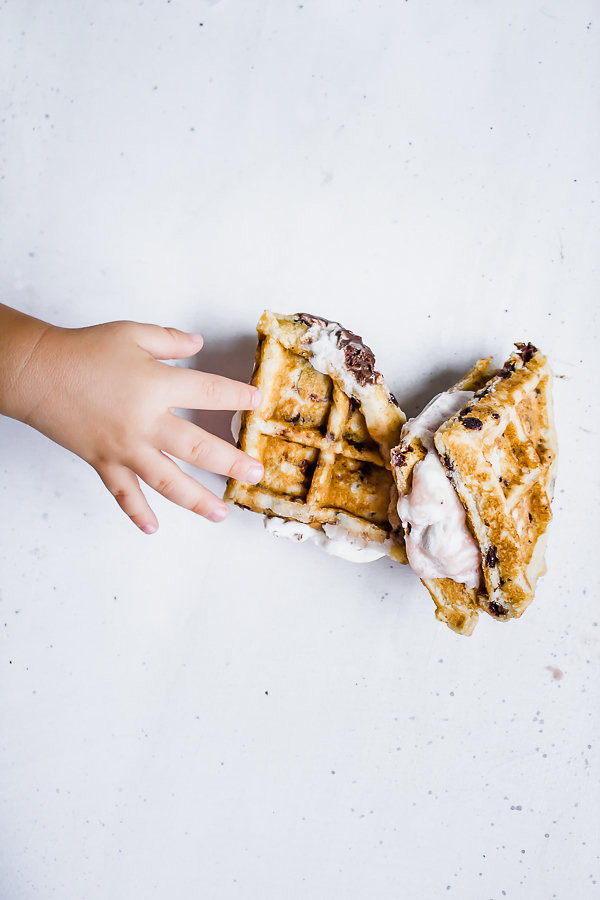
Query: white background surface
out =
(209, 712)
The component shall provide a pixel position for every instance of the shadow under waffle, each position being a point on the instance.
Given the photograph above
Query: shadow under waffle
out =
(413, 403)
(233, 358)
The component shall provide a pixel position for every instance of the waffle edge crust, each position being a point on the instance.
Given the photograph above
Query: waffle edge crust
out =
(324, 432)
(500, 453)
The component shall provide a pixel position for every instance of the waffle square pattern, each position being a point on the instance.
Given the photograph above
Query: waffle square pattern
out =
(499, 452)
(325, 468)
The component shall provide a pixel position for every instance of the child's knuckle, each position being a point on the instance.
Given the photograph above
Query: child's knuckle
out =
(199, 507)
(121, 495)
(165, 486)
(237, 469)
(213, 391)
(199, 450)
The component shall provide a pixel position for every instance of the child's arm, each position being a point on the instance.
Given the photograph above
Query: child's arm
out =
(102, 393)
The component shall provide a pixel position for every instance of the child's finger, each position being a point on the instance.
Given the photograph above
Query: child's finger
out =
(165, 476)
(125, 488)
(206, 451)
(201, 390)
(167, 343)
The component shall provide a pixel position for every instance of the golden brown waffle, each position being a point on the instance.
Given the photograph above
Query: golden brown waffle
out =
(324, 437)
(500, 453)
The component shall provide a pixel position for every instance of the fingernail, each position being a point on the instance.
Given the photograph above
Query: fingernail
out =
(148, 529)
(218, 514)
(257, 399)
(196, 338)
(255, 473)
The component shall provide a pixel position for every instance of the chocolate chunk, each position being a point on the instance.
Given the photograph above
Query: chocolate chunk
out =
(464, 412)
(447, 462)
(526, 351)
(491, 557)
(359, 358)
(309, 319)
(472, 423)
(496, 610)
(507, 369)
(399, 456)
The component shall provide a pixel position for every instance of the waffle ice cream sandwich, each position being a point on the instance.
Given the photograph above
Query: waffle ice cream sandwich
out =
(324, 432)
(475, 475)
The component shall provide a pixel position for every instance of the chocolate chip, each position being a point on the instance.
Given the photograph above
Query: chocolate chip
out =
(357, 444)
(491, 557)
(399, 456)
(472, 423)
(496, 610)
(359, 358)
(447, 462)
(309, 319)
(507, 369)
(526, 351)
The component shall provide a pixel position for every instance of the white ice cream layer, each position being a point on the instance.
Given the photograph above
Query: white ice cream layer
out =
(437, 411)
(438, 542)
(236, 424)
(334, 539)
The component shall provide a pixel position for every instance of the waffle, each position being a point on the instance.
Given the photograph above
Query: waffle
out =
(323, 431)
(499, 452)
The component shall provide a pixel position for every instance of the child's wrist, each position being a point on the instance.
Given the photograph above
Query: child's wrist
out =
(21, 370)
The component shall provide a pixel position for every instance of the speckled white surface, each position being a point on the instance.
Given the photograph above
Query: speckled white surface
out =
(209, 712)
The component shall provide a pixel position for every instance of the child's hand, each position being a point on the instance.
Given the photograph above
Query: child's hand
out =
(102, 393)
